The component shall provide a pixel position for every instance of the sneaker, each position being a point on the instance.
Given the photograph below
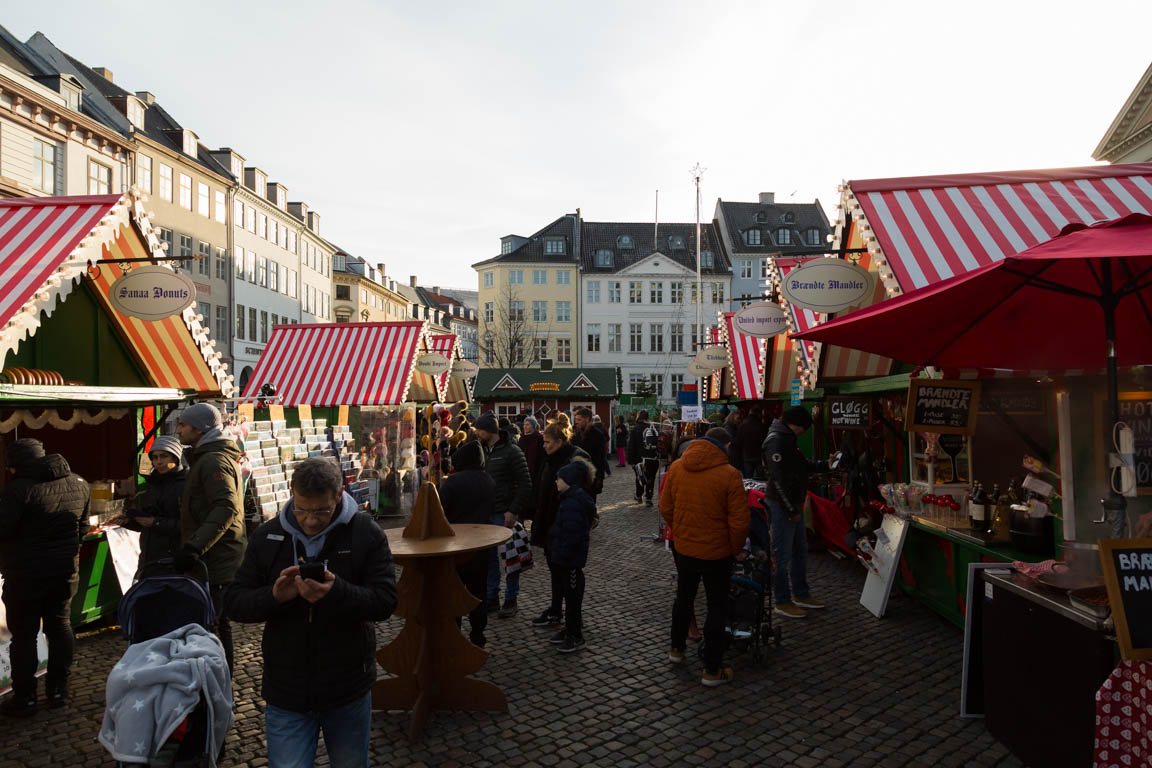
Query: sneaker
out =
(509, 609)
(719, 677)
(676, 655)
(808, 602)
(492, 604)
(546, 619)
(647, 502)
(571, 645)
(639, 499)
(789, 610)
(57, 699)
(18, 707)
(479, 640)
(559, 637)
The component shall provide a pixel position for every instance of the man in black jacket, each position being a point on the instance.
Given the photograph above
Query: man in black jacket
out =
(43, 517)
(319, 630)
(590, 436)
(468, 496)
(749, 437)
(787, 487)
(506, 464)
(644, 456)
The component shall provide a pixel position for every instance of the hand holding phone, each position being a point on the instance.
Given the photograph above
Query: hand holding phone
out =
(313, 570)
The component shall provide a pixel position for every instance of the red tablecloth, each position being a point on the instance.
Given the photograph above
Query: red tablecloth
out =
(1124, 717)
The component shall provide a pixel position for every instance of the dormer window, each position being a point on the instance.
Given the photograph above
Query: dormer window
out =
(71, 96)
(813, 236)
(190, 142)
(751, 237)
(783, 236)
(135, 112)
(706, 260)
(762, 217)
(625, 241)
(237, 167)
(676, 243)
(788, 218)
(506, 248)
(554, 246)
(604, 258)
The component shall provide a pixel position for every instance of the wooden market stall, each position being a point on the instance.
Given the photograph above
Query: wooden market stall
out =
(513, 392)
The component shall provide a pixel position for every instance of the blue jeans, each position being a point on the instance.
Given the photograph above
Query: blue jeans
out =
(495, 567)
(292, 736)
(790, 545)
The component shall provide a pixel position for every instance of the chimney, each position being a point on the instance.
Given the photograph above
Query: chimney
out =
(436, 289)
(104, 72)
(146, 97)
(412, 281)
(767, 198)
(380, 269)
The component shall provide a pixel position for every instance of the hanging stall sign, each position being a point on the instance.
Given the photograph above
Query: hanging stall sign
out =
(942, 407)
(849, 412)
(712, 358)
(152, 293)
(699, 371)
(432, 363)
(762, 320)
(827, 285)
(1127, 565)
(464, 369)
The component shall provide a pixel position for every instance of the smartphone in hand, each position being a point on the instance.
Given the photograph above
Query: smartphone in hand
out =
(313, 570)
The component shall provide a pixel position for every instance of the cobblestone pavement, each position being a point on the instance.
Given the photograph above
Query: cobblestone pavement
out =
(844, 689)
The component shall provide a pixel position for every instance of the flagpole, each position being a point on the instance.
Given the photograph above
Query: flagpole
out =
(697, 172)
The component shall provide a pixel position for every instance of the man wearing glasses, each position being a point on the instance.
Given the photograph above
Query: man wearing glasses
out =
(318, 575)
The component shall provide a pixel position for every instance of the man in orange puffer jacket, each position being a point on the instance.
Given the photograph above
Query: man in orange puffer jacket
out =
(704, 502)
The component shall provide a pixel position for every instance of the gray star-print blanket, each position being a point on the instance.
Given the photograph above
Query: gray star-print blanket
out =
(156, 684)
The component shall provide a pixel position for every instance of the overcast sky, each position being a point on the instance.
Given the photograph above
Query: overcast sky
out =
(423, 131)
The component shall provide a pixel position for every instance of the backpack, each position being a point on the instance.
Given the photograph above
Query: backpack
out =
(650, 442)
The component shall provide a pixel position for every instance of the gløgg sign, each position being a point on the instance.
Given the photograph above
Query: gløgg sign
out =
(827, 285)
(761, 320)
(152, 293)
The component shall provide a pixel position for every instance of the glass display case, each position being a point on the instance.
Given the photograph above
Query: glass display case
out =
(388, 454)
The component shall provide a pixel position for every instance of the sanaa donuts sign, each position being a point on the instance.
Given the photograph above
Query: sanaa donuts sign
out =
(152, 293)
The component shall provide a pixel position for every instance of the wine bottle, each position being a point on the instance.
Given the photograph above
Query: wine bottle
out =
(977, 513)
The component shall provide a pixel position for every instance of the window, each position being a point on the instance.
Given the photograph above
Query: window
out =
(363, 295)
(250, 266)
(751, 237)
(516, 311)
(204, 263)
(539, 277)
(186, 191)
(783, 236)
(677, 338)
(593, 333)
(221, 208)
(635, 337)
(489, 312)
(677, 380)
(706, 260)
(204, 309)
(165, 182)
(656, 337)
(273, 276)
(252, 323)
(614, 293)
(292, 241)
(676, 243)
(99, 178)
(788, 218)
(563, 311)
(221, 322)
(614, 337)
(746, 268)
(203, 200)
(636, 381)
(563, 350)
(506, 248)
(489, 279)
(635, 292)
(273, 230)
(261, 271)
(284, 279)
(761, 217)
(238, 213)
(239, 254)
(263, 326)
(44, 166)
(592, 292)
(185, 248)
(237, 166)
(765, 270)
(144, 173)
(813, 237)
(71, 97)
(250, 219)
(539, 349)
(344, 293)
(657, 382)
(539, 311)
(694, 296)
(625, 241)
(677, 296)
(283, 236)
(189, 143)
(695, 337)
(554, 245)
(516, 277)
(262, 225)
(275, 320)
(604, 258)
(656, 293)
(240, 321)
(221, 264)
(563, 277)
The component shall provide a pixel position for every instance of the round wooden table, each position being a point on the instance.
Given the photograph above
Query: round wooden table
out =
(430, 658)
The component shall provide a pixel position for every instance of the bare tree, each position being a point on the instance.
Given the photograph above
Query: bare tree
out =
(510, 341)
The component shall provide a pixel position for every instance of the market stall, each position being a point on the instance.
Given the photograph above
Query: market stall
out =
(513, 392)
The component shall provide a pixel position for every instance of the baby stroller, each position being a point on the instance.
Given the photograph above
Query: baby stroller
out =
(160, 602)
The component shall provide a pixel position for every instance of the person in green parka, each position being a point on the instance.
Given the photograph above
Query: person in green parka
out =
(211, 507)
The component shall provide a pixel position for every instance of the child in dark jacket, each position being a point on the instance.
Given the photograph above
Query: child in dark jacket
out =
(569, 547)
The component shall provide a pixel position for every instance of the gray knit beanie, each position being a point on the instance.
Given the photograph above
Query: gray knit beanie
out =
(168, 444)
(201, 416)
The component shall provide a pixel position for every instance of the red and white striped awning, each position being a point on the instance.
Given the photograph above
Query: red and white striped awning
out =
(429, 389)
(745, 358)
(330, 364)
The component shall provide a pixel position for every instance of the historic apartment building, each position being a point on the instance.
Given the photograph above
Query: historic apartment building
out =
(751, 234)
(364, 293)
(1129, 137)
(529, 298)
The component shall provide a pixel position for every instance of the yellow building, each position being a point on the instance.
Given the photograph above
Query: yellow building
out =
(529, 298)
(364, 293)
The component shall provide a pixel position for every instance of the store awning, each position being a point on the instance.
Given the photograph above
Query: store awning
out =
(62, 407)
(332, 364)
(746, 359)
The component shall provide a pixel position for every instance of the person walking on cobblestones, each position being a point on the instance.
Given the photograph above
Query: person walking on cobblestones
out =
(591, 439)
(505, 463)
(468, 495)
(644, 456)
(532, 444)
(319, 635)
(620, 441)
(569, 548)
(43, 517)
(704, 502)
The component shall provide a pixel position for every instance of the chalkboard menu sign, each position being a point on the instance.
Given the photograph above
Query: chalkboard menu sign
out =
(944, 407)
(850, 412)
(1128, 573)
(1017, 401)
(1136, 412)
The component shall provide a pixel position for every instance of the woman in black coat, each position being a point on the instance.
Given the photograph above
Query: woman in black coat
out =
(157, 513)
(532, 444)
(468, 495)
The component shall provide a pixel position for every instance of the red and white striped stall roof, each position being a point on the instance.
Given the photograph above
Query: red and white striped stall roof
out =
(330, 364)
(746, 359)
(930, 228)
(432, 389)
(36, 236)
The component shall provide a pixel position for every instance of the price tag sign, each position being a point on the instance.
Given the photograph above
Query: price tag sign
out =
(942, 407)
(1127, 565)
(691, 412)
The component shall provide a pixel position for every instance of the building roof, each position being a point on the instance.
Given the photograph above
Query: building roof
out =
(14, 55)
(1132, 126)
(571, 383)
(769, 217)
(532, 250)
(608, 236)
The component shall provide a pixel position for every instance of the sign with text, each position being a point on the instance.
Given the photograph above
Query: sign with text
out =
(850, 412)
(761, 320)
(1127, 567)
(827, 285)
(691, 413)
(432, 363)
(464, 369)
(797, 390)
(700, 371)
(152, 293)
(1136, 412)
(941, 406)
(1016, 402)
(712, 358)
